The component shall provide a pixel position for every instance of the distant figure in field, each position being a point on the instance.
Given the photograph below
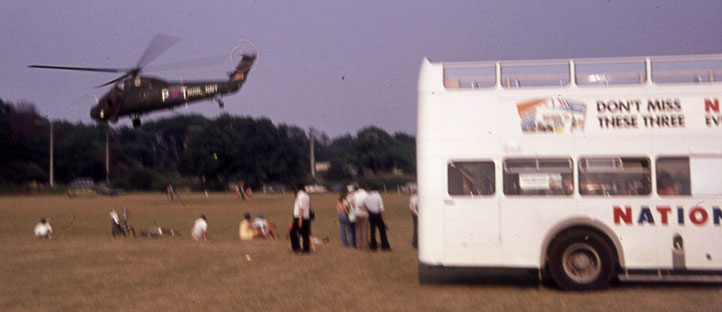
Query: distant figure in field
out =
(346, 220)
(414, 208)
(301, 220)
(115, 227)
(377, 219)
(171, 191)
(241, 192)
(267, 229)
(246, 230)
(362, 218)
(200, 229)
(43, 229)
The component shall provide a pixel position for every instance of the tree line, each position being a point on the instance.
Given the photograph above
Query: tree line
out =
(193, 151)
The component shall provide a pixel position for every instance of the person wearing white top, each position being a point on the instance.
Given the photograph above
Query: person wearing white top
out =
(43, 229)
(414, 208)
(200, 229)
(301, 220)
(377, 219)
(362, 217)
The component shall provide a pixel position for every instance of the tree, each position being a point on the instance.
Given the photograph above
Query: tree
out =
(373, 148)
(79, 152)
(251, 150)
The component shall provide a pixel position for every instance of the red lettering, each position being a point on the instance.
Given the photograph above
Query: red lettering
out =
(711, 105)
(625, 215)
(663, 212)
(698, 216)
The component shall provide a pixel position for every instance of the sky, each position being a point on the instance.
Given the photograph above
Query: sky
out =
(335, 66)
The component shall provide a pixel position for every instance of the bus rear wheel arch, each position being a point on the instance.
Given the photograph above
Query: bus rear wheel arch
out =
(581, 259)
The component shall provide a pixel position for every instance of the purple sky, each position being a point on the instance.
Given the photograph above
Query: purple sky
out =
(337, 66)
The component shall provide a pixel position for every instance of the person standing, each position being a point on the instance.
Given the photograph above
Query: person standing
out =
(377, 219)
(362, 218)
(200, 229)
(301, 220)
(43, 229)
(345, 214)
(414, 207)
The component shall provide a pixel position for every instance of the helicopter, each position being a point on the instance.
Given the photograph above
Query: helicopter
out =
(134, 95)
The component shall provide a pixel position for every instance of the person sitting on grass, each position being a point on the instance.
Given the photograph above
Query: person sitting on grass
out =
(246, 230)
(267, 229)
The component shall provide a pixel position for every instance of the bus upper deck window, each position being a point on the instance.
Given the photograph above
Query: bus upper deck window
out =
(469, 178)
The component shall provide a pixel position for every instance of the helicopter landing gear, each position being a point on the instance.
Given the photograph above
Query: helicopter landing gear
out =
(136, 122)
(220, 103)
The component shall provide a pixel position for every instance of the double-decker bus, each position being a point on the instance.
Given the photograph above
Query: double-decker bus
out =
(584, 171)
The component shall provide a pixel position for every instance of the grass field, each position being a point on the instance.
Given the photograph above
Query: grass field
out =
(85, 269)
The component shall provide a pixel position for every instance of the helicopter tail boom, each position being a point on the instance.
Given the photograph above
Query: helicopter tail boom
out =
(243, 68)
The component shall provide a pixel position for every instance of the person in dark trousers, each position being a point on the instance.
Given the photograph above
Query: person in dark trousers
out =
(301, 221)
(377, 219)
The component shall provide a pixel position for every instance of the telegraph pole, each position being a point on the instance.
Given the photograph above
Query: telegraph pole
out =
(313, 157)
(52, 184)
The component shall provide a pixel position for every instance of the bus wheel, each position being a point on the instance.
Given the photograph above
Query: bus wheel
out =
(581, 260)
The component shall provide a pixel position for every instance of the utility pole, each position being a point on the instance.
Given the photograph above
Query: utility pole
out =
(313, 157)
(52, 184)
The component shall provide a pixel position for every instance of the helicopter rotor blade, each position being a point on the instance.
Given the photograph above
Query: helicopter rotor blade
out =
(159, 44)
(92, 69)
(128, 74)
(192, 63)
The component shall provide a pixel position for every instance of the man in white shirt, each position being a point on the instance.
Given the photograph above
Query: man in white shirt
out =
(301, 220)
(200, 229)
(43, 229)
(377, 219)
(414, 207)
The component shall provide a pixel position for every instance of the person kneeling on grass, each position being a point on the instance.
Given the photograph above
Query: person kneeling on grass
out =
(200, 229)
(246, 230)
(43, 229)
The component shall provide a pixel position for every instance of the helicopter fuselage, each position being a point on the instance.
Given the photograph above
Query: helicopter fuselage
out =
(139, 95)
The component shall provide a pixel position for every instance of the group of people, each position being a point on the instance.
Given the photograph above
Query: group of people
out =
(259, 228)
(360, 215)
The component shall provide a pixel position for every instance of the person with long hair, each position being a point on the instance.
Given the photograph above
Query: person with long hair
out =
(346, 220)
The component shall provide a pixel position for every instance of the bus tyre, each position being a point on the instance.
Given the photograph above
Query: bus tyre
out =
(581, 260)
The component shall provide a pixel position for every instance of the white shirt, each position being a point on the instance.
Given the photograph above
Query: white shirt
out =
(114, 216)
(43, 229)
(260, 224)
(374, 203)
(303, 202)
(358, 199)
(199, 228)
(414, 204)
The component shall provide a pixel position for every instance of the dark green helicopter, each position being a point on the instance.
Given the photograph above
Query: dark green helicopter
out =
(134, 95)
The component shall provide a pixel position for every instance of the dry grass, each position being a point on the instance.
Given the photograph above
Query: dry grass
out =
(85, 269)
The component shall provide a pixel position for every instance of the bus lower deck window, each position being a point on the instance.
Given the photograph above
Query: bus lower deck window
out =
(614, 176)
(469, 178)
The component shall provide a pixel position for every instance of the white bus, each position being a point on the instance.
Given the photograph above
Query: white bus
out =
(582, 170)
